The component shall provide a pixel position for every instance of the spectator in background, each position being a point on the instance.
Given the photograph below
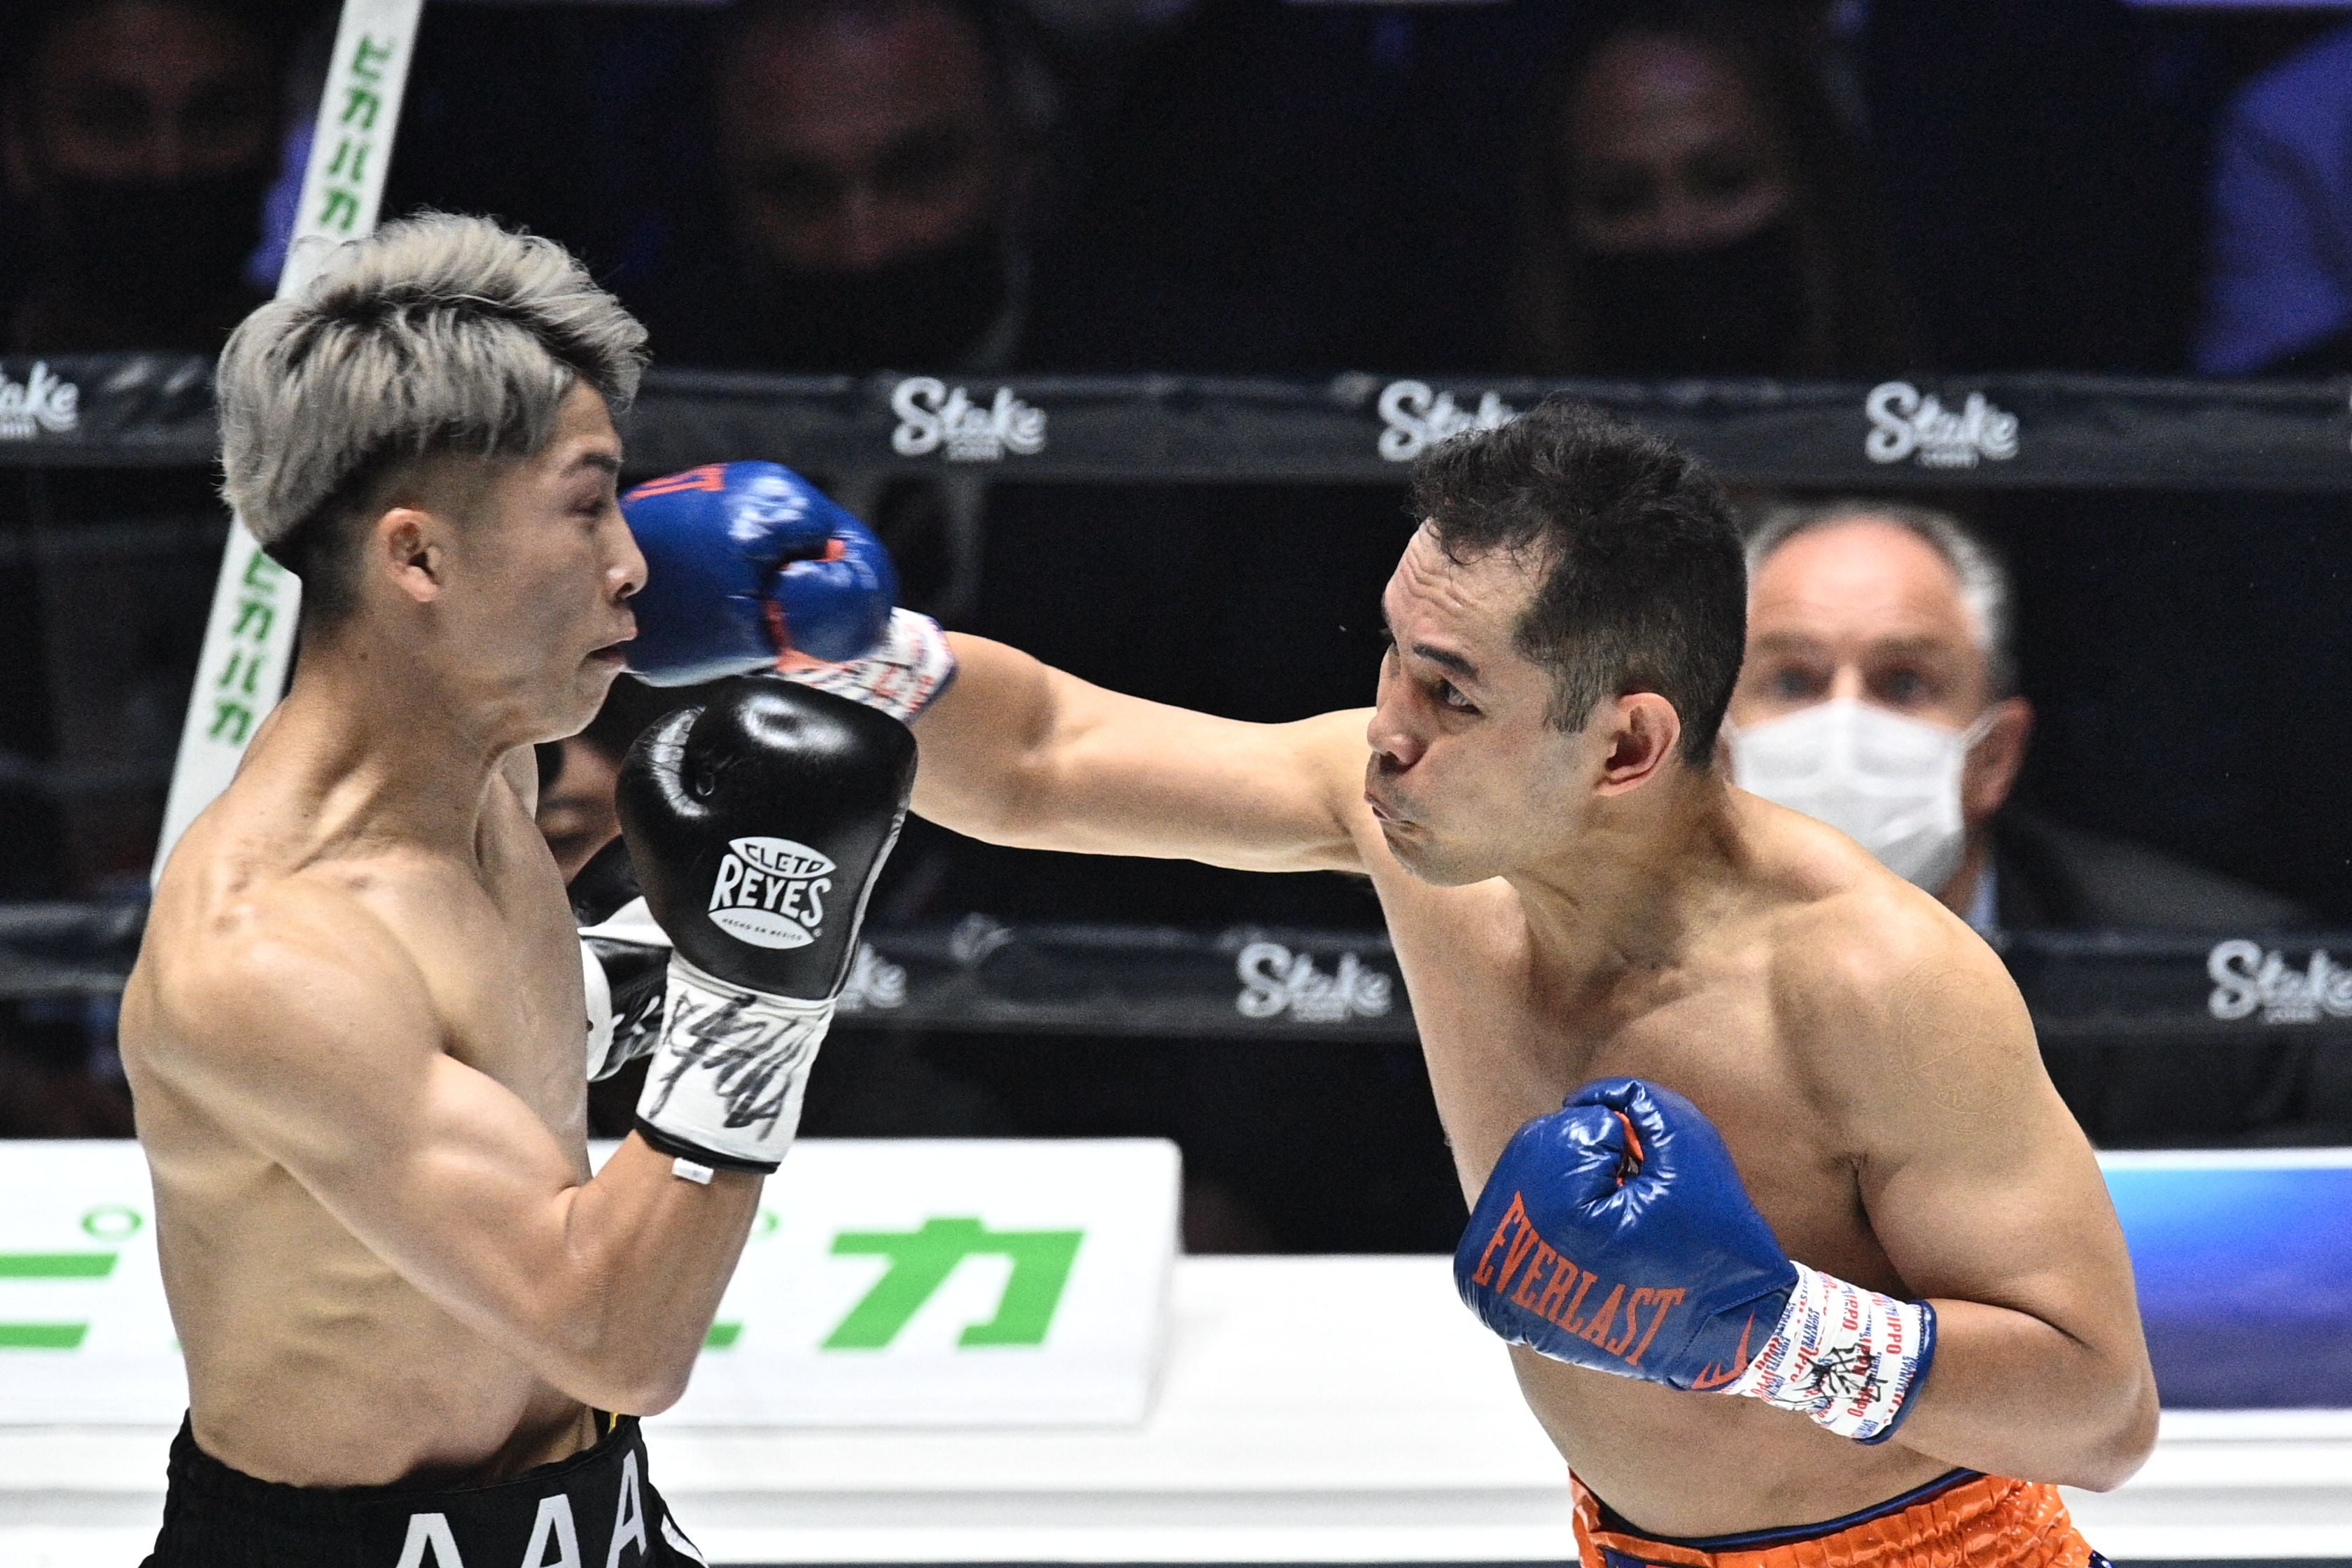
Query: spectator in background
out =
(1692, 204)
(2278, 297)
(1880, 694)
(577, 773)
(873, 158)
(136, 140)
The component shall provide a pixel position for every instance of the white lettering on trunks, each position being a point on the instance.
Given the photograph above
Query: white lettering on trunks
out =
(628, 1516)
(429, 1543)
(554, 1519)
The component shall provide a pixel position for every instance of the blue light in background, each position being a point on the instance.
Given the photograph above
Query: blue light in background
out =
(2244, 1263)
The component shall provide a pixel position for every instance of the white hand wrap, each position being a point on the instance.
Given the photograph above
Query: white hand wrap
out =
(632, 923)
(1849, 1358)
(732, 1066)
(600, 1013)
(911, 666)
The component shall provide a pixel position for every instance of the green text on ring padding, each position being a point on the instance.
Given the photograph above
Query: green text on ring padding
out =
(920, 1261)
(53, 1336)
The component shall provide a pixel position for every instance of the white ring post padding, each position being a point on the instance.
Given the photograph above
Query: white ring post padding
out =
(249, 634)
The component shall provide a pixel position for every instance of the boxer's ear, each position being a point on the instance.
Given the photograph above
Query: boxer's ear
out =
(406, 546)
(1641, 732)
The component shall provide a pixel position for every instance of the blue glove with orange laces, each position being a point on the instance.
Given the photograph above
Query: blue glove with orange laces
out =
(751, 567)
(1614, 1233)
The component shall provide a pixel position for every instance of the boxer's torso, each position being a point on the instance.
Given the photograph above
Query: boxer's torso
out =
(309, 1360)
(1509, 1029)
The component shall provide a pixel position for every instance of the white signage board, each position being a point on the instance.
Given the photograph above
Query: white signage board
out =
(898, 1283)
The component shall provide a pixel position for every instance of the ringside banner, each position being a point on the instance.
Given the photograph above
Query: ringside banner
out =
(2042, 431)
(889, 1283)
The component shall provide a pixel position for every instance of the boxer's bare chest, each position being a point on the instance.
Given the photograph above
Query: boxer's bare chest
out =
(495, 941)
(1509, 1036)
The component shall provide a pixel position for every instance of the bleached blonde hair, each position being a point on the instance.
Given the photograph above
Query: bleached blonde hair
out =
(438, 334)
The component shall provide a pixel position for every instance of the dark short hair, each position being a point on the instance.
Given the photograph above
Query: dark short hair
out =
(1644, 588)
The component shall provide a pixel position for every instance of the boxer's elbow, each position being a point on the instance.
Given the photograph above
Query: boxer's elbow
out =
(614, 1353)
(634, 1377)
(2122, 1444)
(654, 1388)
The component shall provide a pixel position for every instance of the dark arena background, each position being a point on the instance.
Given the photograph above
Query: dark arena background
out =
(1122, 322)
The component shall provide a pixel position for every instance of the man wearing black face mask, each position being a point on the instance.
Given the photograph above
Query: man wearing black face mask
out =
(137, 138)
(872, 167)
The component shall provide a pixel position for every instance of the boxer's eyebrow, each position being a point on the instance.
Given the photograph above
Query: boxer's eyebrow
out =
(604, 460)
(1437, 656)
(1453, 661)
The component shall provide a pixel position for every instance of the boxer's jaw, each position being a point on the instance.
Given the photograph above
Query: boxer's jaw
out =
(535, 602)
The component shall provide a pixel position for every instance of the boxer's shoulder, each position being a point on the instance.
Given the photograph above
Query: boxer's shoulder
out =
(1877, 986)
(247, 958)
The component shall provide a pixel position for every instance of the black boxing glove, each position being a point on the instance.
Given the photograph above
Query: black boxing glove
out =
(756, 823)
(624, 961)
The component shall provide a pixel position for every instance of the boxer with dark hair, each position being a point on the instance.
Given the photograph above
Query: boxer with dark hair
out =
(1800, 1256)
(361, 1029)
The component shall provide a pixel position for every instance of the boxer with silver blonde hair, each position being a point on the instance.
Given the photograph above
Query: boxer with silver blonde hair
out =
(360, 1031)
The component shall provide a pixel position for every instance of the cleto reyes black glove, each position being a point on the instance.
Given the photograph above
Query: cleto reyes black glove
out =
(756, 823)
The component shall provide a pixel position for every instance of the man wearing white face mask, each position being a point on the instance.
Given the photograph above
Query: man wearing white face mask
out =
(1879, 695)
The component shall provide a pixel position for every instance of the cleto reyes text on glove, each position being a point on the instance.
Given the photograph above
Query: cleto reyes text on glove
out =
(756, 823)
(1614, 1233)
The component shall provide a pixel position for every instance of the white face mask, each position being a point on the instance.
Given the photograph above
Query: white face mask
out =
(1891, 783)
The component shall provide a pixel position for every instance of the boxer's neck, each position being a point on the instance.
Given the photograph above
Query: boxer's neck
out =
(1641, 881)
(406, 753)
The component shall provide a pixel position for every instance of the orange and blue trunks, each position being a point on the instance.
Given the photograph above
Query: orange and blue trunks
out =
(1962, 1520)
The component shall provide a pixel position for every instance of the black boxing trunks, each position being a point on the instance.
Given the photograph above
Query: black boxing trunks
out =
(596, 1510)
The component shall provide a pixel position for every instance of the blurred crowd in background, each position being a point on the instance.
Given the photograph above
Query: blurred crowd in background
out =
(1608, 188)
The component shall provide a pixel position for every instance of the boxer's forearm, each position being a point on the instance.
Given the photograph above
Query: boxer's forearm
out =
(1019, 753)
(2013, 1396)
(642, 1262)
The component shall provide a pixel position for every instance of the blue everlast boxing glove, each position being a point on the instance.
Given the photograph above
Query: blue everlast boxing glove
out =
(1614, 1233)
(747, 564)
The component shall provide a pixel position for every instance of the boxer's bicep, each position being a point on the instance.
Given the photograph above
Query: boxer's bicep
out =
(320, 1047)
(1979, 1184)
(1986, 1197)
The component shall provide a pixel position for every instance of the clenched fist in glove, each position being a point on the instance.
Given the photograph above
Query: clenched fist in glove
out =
(750, 567)
(756, 823)
(1614, 1233)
